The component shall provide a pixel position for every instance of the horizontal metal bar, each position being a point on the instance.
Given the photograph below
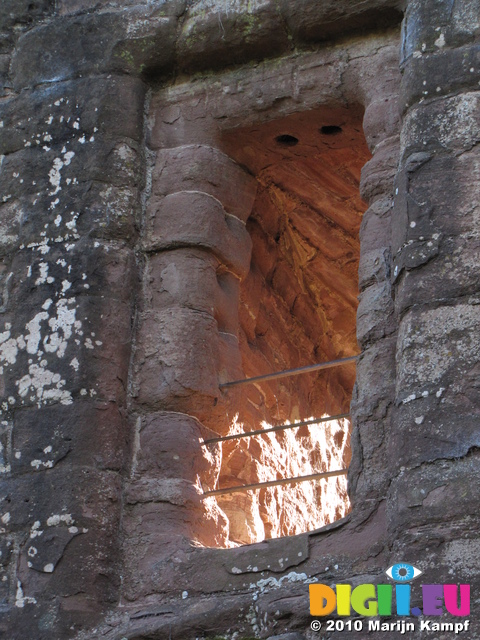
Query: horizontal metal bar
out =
(289, 372)
(273, 483)
(281, 427)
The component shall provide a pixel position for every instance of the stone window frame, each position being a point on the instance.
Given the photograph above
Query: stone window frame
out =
(364, 71)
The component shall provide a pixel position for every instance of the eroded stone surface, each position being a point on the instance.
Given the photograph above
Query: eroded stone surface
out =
(102, 518)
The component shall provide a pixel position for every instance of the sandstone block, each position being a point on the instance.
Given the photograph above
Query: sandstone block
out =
(202, 168)
(428, 430)
(374, 266)
(129, 40)
(431, 26)
(85, 268)
(314, 21)
(59, 186)
(450, 187)
(169, 342)
(379, 172)
(93, 434)
(439, 73)
(381, 121)
(190, 278)
(19, 15)
(436, 348)
(450, 124)
(63, 344)
(376, 370)
(376, 227)
(68, 110)
(198, 220)
(434, 494)
(449, 269)
(369, 78)
(170, 448)
(375, 313)
(214, 36)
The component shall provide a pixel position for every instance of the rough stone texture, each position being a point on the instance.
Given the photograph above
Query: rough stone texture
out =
(297, 306)
(126, 301)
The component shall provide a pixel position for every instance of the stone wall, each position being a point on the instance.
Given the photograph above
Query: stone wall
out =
(123, 245)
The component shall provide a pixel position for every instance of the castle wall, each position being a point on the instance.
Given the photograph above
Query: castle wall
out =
(115, 168)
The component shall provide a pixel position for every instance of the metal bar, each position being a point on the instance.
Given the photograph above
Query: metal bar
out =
(273, 483)
(289, 372)
(281, 427)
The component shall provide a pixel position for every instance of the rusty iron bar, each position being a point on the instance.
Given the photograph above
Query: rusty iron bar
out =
(289, 372)
(273, 483)
(281, 427)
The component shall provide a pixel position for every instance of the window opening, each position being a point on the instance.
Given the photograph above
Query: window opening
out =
(290, 440)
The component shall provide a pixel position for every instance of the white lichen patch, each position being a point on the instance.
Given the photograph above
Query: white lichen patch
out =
(265, 584)
(48, 332)
(55, 520)
(20, 599)
(54, 174)
(35, 530)
(462, 554)
(45, 384)
(38, 464)
(440, 41)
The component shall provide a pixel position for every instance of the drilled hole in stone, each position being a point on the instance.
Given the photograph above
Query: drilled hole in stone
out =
(331, 130)
(286, 140)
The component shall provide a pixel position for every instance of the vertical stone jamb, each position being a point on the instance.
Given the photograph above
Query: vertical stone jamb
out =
(376, 82)
(434, 444)
(196, 251)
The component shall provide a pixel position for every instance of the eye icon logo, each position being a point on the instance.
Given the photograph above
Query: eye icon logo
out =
(403, 572)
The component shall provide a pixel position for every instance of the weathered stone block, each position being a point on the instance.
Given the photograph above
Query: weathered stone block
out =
(439, 73)
(187, 219)
(71, 110)
(381, 121)
(64, 7)
(449, 268)
(451, 124)
(50, 342)
(201, 168)
(376, 370)
(431, 26)
(375, 313)
(376, 227)
(436, 348)
(181, 277)
(379, 172)
(314, 21)
(91, 434)
(85, 268)
(176, 122)
(214, 36)
(191, 278)
(130, 41)
(449, 186)
(57, 186)
(374, 267)
(170, 447)
(428, 430)
(19, 15)
(169, 343)
(369, 78)
(440, 492)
